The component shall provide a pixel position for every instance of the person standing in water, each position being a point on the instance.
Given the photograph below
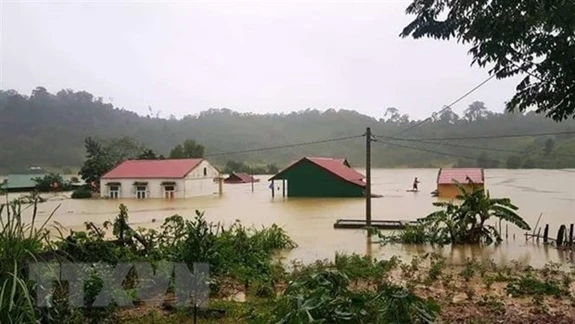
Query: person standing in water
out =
(415, 182)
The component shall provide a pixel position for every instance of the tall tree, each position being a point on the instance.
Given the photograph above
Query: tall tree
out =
(476, 111)
(123, 148)
(186, 150)
(97, 163)
(530, 37)
(147, 154)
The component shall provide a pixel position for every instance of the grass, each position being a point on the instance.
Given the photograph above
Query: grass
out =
(20, 243)
(348, 288)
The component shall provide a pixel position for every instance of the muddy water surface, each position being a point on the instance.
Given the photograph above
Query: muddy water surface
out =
(310, 221)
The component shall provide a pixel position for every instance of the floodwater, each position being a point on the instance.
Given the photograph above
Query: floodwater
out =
(310, 221)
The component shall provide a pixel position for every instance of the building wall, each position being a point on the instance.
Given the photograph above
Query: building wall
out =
(193, 185)
(452, 191)
(200, 182)
(155, 188)
(309, 180)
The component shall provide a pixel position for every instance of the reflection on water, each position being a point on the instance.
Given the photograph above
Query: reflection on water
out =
(310, 221)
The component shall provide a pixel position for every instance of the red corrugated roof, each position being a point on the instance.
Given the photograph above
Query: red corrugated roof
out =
(171, 168)
(336, 166)
(242, 176)
(446, 176)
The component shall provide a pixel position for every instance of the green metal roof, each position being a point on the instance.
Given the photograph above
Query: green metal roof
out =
(16, 181)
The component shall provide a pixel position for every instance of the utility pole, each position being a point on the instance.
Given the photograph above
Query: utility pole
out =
(252, 177)
(368, 177)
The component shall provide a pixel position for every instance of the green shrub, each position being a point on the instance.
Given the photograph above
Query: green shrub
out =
(81, 193)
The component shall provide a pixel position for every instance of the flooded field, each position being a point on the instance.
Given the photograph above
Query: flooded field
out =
(310, 221)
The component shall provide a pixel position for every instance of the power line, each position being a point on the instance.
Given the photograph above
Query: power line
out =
(426, 150)
(285, 146)
(477, 147)
(451, 104)
(478, 137)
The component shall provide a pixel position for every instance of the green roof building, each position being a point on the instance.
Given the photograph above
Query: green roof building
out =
(21, 182)
(320, 177)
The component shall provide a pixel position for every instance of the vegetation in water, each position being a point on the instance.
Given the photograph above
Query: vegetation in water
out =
(52, 182)
(81, 193)
(463, 222)
(350, 288)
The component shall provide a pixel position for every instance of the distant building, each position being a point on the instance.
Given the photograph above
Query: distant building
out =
(467, 177)
(21, 182)
(320, 177)
(172, 178)
(240, 178)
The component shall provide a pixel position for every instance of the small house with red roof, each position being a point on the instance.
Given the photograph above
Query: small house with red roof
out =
(171, 178)
(237, 177)
(320, 177)
(469, 178)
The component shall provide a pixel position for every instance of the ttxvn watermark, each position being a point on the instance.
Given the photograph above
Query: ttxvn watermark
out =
(150, 283)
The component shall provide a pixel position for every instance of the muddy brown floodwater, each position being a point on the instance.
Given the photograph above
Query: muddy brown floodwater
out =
(310, 221)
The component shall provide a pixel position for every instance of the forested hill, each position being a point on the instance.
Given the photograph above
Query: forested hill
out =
(45, 129)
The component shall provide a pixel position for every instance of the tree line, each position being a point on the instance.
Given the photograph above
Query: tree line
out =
(49, 130)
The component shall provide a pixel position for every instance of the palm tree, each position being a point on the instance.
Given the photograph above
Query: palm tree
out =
(466, 223)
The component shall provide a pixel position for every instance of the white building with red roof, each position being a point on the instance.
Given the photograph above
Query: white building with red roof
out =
(168, 179)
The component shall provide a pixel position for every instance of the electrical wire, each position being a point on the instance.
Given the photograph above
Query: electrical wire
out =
(285, 146)
(428, 150)
(477, 137)
(450, 105)
(479, 148)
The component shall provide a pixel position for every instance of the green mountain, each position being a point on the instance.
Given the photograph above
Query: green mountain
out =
(46, 129)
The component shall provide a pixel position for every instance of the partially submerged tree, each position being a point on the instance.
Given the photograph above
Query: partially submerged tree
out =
(466, 223)
(530, 37)
(51, 182)
(97, 162)
(101, 156)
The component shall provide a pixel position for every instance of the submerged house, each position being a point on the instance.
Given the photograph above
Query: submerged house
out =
(21, 182)
(467, 177)
(319, 177)
(240, 178)
(172, 178)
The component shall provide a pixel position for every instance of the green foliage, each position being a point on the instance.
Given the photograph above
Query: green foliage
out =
(513, 162)
(102, 156)
(20, 243)
(485, 161)
(189, 149)
(533, 37)
(43, 137)
(528, 285)
(81, 193)
(325, 296)
(97, 162)
(51, 182)
(148, 155)
(549, 145)
(462, 223)
(53, 143)
(242, 167)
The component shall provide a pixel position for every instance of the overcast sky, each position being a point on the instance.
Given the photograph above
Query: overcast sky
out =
(275, 56)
